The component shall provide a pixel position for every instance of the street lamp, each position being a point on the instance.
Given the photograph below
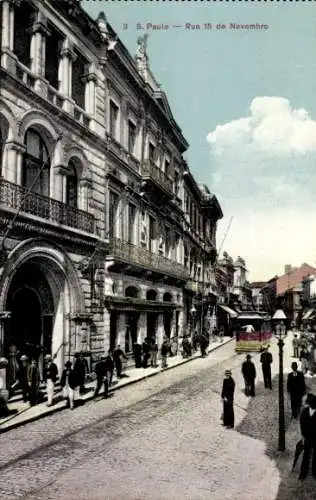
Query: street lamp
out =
(279, 317)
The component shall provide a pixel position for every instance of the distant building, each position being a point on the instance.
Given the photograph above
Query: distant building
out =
(256, 294)
(286, 291)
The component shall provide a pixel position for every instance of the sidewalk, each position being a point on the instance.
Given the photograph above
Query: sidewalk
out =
(26, 413)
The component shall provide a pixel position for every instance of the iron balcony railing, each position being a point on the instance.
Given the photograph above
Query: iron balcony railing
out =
(134, 254)
(15, 197)
(150, 171)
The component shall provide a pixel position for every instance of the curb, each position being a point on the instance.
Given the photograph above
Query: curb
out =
(15, 425)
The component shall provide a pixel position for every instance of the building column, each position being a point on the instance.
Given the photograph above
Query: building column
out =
(8, 59)
(38, 50)
(142, 328)
(106, 339)
(121, 329)
(173, 324)
(12, 168)
(90, 95)
(160, 329)
(57, 182)
(65, 74)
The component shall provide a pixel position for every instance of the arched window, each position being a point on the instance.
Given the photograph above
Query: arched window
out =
(151, 295)
(72, 185)
(36, 163)
(167, 297)
(131, 291)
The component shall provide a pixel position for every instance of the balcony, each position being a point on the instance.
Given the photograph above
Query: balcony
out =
(156, 178)
(15, 197)
(132, 254)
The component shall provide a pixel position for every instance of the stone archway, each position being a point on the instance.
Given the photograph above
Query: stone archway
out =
(40, 289)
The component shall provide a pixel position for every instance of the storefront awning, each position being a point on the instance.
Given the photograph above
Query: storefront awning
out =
(308, 314)
(230, 311)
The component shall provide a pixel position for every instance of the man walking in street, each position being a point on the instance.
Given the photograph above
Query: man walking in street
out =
(164, 352)
(248, 370)
(296, 388)
(22, 377)
(109, 367)
(33, 377)
(80, 370)
(266, 361)
(117, 357)
(146, 352)
(50, 377)
(227, 395)
(69, 383)
(101, 374)
(295, 344)
(308, 430)
(154, 353)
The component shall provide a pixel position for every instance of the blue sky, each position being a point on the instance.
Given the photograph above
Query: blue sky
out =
(253, 95)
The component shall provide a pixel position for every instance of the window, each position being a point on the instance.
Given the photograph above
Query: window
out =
(113, 118)
(151, 152)
(143, 230)
(72, 186)
(78, 84)
(151, 233)
(167, 168)
(176, 182)
(113, 206)
(131, 137)
(36, 164)
(131, 223)
(52, 48)
(24, 18)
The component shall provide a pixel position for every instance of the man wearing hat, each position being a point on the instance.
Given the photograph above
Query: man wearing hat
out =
(248, 370)
(308, 430)
(296, 388)
(266, 361)
(50, 377)
(101, 373)
(22, 377)
(227, 395)
(69, 382)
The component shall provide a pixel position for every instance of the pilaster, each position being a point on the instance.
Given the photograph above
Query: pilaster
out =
(121, 329)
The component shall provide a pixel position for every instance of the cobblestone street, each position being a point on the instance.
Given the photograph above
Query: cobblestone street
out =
(160, 439)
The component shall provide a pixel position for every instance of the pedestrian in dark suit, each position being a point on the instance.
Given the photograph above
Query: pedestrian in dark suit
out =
(117, 357)
(146, 353)
(227, 395)
(109, 366)
(22, 377)
(138, 355)
(69, 383)
(33, 376)
(308, 430)
(249, 373)
(101, 373)
(80, 370)
(296, 388)
(266, 361)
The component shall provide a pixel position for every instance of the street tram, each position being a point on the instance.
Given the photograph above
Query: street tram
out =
(253, 331)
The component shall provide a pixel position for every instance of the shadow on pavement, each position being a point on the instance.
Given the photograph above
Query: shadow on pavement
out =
(261, 422)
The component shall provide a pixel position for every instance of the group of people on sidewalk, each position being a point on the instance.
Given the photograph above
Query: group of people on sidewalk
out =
(249, 373)
(296, 388)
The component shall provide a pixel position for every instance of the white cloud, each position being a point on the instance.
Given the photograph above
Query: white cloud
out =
(263, 170)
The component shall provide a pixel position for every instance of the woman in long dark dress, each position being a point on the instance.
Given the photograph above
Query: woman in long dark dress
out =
(228, 400)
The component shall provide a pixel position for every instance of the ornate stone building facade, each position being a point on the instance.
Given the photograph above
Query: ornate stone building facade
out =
(98, 240)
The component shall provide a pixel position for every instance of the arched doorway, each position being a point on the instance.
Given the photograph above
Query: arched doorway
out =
(41, 292)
